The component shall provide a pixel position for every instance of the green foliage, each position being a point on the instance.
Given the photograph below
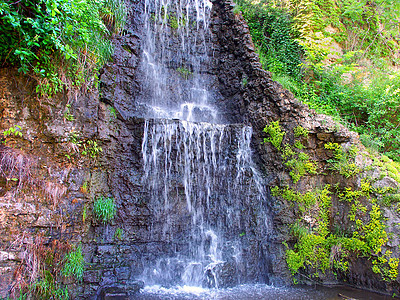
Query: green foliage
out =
(300, 166)
(85, 148)
(113, 113)
(244, 81)
(184, 72)
(104, 209)
(114, 13)
(298, 40)
(177, 22)
(118, 234)
(62, 42)
(84, 213)
(299, 145)
(67, 114)
(343, 161)
(276, 134)
(13, 131)
(272, 33)
(387, 166)
(298, 162)
(74, 264)
(312, 248)
(320, 248)
(91, 148)
(48, 288)
(373, 111)
(300, 131)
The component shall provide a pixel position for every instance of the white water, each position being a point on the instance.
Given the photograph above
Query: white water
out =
(202, 184)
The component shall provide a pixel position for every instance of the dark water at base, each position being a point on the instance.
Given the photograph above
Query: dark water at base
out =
(259, 292)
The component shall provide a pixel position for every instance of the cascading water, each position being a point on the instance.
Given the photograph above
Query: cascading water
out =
(207, 199)
(175, 61)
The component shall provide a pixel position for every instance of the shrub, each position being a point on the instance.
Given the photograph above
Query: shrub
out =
(63, 42)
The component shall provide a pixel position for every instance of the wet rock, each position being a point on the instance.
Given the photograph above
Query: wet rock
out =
(119, 292)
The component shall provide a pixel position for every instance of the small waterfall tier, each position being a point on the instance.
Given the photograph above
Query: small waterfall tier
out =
(208, 202)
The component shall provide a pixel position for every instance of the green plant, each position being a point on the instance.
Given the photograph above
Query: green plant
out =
(244, 81)
(63, 42)
(75, 138)
(236, 10)
(276, 134)
(91, 148)
(113, 14)
(104, 209)
(177, 22)
(84, 213)
(39, 273)
(343, 161)
(298, 42)
(184, 72)
(84, 187)
(74, 264)
(299, 145)
(270, 28)
(300, 131)
(118, 234)
(48, 288)
(320, 248)
(113, 113)
(13, 131)
(67, 115)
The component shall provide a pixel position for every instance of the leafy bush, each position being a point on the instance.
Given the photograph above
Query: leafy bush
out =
(104, 209)
(63, 42)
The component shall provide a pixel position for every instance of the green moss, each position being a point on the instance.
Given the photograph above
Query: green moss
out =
(300, 131)
(177, 22)
(184, 72)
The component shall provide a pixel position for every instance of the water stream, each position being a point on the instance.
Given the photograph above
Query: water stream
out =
(209, 206)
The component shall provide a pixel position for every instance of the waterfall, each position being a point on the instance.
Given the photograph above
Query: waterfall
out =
(206, 195)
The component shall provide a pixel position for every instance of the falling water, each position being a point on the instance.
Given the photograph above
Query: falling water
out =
(202, 173)
(207, 198)
(176, 60)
